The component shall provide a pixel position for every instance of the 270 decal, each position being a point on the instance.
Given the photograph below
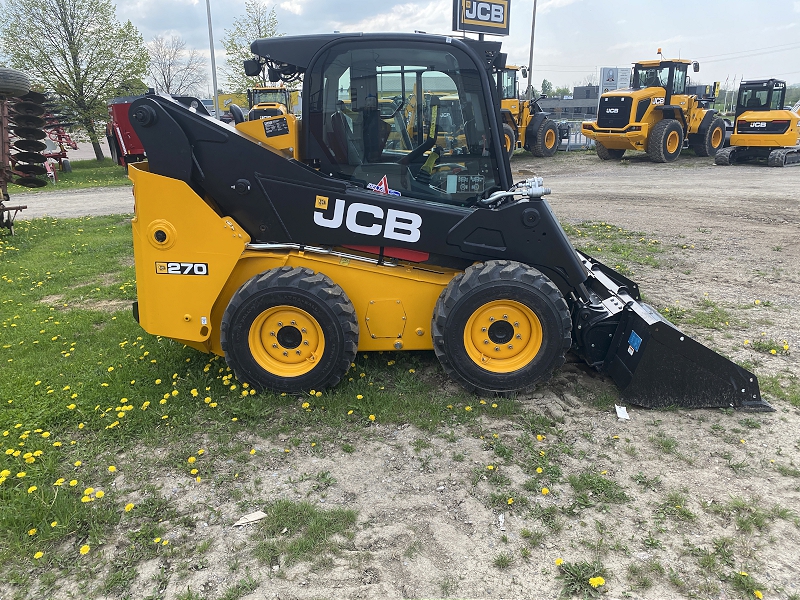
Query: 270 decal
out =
(181, 268)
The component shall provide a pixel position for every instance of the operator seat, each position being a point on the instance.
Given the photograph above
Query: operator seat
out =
(341, 139)
(754, 102)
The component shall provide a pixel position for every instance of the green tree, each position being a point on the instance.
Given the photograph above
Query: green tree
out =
(562, 91)
(75, 49)
(547, 88)
(257, 22)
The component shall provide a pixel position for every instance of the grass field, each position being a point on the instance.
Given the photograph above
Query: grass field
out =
(85, 174)
(98, 419)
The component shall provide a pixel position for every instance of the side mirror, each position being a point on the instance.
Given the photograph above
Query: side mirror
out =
(273, 75)
(252, 67)
(695, 66)
(524, 71)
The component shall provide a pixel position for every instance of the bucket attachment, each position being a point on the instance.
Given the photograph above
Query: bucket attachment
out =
(655, 364)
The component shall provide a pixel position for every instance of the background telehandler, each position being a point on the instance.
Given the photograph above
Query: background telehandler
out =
(288, 249)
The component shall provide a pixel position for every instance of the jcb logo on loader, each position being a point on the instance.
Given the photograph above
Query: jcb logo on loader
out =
(658, 101)
(368, 219)
(759, 124)
(181, 268)
(612, 111)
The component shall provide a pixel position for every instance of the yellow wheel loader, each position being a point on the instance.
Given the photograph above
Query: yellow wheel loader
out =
(763, 130)
(289, 249)
(268, 102)
(525, 124)
(657, 114)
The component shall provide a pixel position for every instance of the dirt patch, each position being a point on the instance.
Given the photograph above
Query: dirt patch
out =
(709, 494)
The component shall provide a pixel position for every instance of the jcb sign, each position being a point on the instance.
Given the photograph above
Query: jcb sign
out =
(482, 16)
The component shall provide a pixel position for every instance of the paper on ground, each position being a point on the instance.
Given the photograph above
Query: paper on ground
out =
(251, 518)
(622, 412)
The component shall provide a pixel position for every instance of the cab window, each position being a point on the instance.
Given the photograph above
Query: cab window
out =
(778, 93)
(651, 77)
(509, 84)
(410, 123)
(679, 83)
(754, 98)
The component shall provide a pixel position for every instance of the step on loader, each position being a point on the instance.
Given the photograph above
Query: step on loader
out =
(764, 130)
(289, 245)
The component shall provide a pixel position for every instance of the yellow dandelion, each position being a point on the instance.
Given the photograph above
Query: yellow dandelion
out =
(305, 405)
(545, 491)
(539, 470)
(32, 489)
(349, 412)
(54, 524)
(758, 594)
(129, 507)
(596, 582)
(99, 494)
(73, 482)
(468, 408)
(32, 531)
(773, 351)
(372, 417)
(191, 459)
(193, 472)
(85, 549)
(539, 437)
(559, 562)
(38, 555)
(252, 451)
(77, 463)
(201, 452)
(359, 397)
(510, 501)
(156, 540)
(318, 394)
(490, 467)
(21, 474)
(112, 469)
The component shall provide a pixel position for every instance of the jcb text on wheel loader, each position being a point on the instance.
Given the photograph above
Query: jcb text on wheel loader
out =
(288, 249)
(764, 129)
(657, 114)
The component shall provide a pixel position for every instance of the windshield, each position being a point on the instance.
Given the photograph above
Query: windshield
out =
(411, 123)
(644, 77)
(270, 97)
(509, 84)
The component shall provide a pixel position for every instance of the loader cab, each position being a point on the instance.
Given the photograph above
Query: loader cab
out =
(510, 84)
(668, 74)
(409, 119)
(760, 95)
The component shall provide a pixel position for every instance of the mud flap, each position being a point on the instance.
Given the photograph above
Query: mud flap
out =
(656, 365)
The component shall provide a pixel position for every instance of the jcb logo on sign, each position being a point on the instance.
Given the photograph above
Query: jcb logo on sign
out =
(482, 16)
(181, 268)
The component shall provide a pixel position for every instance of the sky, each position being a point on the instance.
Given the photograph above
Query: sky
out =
(731, 39)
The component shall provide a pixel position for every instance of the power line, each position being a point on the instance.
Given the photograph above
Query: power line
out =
(792, 44)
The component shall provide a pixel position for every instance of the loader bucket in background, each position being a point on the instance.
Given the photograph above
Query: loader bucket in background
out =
(656, 365)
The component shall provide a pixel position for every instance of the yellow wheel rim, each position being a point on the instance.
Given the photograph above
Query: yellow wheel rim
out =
(503, 336)
(673, 141)
(716, 138)
(286, 341)
(550, 139)
(508, 143)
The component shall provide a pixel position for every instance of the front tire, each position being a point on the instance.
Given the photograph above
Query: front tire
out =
(289, 330)
(546, 143)
(501, 327)
(66, 166)
(665, 141)
(608, 153)
(509, 139)
(713, 139)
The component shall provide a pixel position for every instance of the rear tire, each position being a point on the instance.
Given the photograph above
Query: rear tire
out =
(608, 153)
(665, 141)
(13, 83)
(509, 139)
(66, 166)
(289, 330)
(713, 140)
(500, 327)
(546, 143)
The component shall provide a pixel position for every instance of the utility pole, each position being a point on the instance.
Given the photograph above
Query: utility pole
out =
(213, 63)
(530, 57)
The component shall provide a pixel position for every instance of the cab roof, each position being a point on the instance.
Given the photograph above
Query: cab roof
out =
(657, 63)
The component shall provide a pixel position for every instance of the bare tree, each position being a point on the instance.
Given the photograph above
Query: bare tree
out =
(257, 22)
(174, 68)
(591, 79)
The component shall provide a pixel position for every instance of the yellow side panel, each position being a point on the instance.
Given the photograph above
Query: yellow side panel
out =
(281, 133)
(184, 253)
(411, 291)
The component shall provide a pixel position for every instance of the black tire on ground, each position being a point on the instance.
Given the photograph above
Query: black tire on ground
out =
(289, 330)
(509, 139)
(665, 141)
(500, 327)
(13, 82)
(66, 166)
(608, 153)
(726, 156)
(713, 140)
(546, 144)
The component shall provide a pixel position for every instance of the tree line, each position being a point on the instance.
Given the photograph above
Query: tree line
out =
(81, 54)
